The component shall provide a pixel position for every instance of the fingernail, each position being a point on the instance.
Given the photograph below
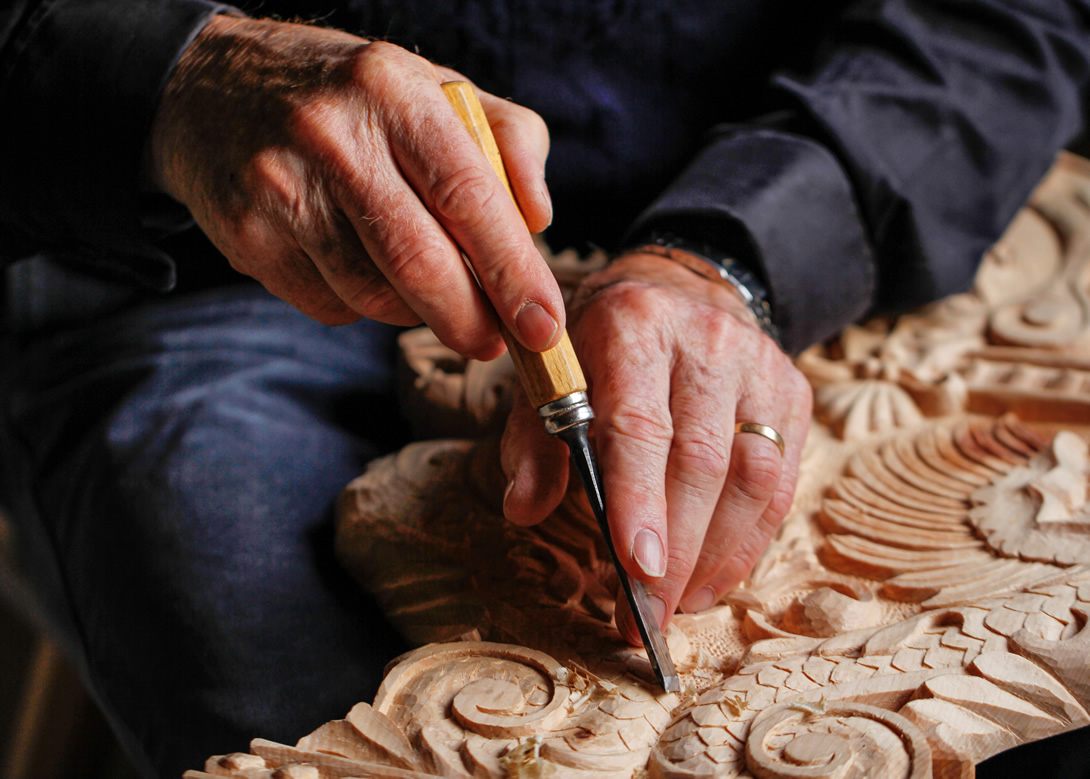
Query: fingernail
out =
(547, 199)
(649, 554)
(535, 326)
(701, 600)
(507, 493)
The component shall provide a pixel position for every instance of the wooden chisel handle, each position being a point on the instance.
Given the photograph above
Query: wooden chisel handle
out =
(552, 374)
(555, 385)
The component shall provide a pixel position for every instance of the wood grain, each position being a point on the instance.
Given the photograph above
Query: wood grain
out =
(924, 606)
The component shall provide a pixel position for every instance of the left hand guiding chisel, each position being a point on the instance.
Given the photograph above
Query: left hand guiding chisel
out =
(554, 383)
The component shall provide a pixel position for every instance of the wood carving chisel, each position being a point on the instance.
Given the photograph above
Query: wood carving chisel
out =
(554, 383)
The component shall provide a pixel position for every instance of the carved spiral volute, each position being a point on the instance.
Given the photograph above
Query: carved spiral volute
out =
(493, 690)
(465, 705)
(835, 740)
(504, 708)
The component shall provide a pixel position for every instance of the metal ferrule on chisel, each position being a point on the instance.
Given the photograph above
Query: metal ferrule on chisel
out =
(565, 412)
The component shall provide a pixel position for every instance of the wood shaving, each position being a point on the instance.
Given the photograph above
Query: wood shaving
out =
(736, 704)
(813, 709)
(525, 762)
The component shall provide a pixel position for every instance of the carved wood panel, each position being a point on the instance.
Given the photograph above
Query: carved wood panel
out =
(923, 608)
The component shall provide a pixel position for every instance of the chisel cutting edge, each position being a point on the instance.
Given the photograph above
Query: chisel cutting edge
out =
(574, 411)
(554, 383)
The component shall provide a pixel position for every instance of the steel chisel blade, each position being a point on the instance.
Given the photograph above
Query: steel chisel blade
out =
(657, 652)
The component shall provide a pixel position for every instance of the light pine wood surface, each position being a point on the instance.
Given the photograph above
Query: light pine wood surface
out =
(923, 608)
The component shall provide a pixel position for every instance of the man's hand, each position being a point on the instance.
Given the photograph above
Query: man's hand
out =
(334, 171)
(674, 361)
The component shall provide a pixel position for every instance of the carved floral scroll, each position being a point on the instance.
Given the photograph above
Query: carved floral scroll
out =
(923, 608)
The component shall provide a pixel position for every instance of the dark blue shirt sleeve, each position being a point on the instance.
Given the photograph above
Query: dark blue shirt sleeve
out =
(893, 161)
(79, 83)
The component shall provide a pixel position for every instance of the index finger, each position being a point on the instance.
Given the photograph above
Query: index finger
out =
(461, 189)
(477, 206)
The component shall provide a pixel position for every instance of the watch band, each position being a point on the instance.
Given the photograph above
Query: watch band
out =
(715, 265)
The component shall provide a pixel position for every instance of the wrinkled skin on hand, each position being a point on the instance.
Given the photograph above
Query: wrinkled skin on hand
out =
(673, 362)
(334, 171)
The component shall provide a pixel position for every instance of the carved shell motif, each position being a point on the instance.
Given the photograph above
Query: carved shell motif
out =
(1017, 343)
(904, 515)
(924, 607)
(858, 409)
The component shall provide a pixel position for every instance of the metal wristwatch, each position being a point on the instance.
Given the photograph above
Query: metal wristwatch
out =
(715, 265)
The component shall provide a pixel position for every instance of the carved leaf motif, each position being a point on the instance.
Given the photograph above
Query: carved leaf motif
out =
(1017, 343)
(906, 598)
(1039, 511)
(860, 699)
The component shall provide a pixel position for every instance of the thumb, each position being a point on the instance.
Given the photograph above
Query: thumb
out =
(535, 464)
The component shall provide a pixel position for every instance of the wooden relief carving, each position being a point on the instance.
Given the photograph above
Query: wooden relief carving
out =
(923, 608)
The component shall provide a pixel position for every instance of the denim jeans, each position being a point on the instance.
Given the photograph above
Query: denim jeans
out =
(170, 469)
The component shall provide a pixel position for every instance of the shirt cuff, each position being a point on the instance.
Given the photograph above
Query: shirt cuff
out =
(783, 207)
(84, 77)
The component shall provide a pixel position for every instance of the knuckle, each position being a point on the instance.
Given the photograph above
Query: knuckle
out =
(719, 326)
(631, 422)
(615, 305)
(463, 196)
(520, 121)
(680, 564)
(317, 120)
(378, 63)
(505, 270)
(537, 124)
(249, 237)
(779, 506)
(757, 474)
(710, 558)
(282, 200)
(704, 455)
(389, 80)
(410, 260)
(274, 176)
(375, 298)
(641, 296)
(627, 293)
(801, 390)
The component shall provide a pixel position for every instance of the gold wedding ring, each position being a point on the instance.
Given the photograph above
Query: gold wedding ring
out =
(765, 430)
